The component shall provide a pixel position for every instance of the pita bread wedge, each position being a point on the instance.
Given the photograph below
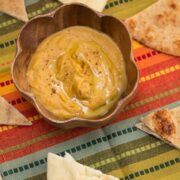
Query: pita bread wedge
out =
(10, 116)
(15, 8)
(68, 169)
(158, 26)
(163, 124)
(97, 5)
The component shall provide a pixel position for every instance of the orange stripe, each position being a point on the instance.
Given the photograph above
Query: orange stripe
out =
(5, 63)
(159, 58)
(142, 50)
(14, 96)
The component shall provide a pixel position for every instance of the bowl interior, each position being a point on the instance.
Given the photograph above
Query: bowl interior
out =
(69, 15)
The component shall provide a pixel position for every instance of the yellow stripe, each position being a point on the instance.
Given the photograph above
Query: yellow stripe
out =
(148, 100)
(4, 77)
(33, 118)
(151, 99)
(127, 154)
(160, 73)
(31, 141)
(7, 56)
(6, 63)
(7, 89)
(151, 162)
(144, 101)
(162, 173)
(7, 52)
(9, 36)
(30, 15)
(11, 88)
(136, 45)
(126, 10)
(171, 176)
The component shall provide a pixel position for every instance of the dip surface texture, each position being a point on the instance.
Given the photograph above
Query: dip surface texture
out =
(77, 72)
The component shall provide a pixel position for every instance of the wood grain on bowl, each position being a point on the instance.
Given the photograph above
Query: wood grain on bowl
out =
(39, 28)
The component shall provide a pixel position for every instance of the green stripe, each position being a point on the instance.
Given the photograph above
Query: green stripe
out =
(116, 3)
(126, 154)
(77, 148)
(113, 135)
(151, 99)
(133, 175)
(55, 133)
(38, 177)
(152, 169)
(5, 69)
(43, 6)
(9, 24)
(144, 151)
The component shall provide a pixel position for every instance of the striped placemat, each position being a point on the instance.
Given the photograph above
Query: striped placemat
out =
(119, 148)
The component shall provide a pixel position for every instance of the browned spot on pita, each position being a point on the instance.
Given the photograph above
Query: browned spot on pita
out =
(148, 34)
(164, 123)
(132, 24)
(18, 120)
(159, 16)
(163, 16)
(177, 44)
(173, 5)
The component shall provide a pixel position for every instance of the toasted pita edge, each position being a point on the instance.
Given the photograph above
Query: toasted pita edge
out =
(21, 15)
(23, 120)
(145, 129)
(137, 35)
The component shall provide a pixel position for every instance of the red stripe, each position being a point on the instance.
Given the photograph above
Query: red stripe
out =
(156, 86)
(30, 112)
(43, 144)
(6, 83)
(145, 56)
(149, 52)
(160, 66)
(150, 106)
(147, 89)
(80, 131)
(137, 58)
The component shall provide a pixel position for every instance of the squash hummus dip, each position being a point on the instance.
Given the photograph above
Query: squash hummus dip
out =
(77, 72)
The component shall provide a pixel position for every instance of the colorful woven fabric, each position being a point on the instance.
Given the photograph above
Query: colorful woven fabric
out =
(119, 148)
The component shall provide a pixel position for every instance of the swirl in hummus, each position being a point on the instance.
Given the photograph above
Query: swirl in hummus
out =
(77, 72)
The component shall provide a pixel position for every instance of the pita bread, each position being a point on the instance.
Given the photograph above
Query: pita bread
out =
(163, 124)
(67, 168)
(10, 116)
(15, 8)
(97, 5)
(158, 26)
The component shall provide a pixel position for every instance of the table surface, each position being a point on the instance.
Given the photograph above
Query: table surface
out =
(119, 148)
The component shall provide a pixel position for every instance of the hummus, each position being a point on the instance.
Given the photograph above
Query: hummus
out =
(77, 72)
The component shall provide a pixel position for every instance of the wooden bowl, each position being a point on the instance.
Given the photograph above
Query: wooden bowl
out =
(37, 29)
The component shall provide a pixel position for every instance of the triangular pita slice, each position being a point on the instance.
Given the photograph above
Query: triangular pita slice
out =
(15, 8)
(10, 116)
(67, 168)
(97, 5)
(158, 26)
(163, 124)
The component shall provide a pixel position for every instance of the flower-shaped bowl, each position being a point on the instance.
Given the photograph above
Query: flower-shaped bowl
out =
(37, 29)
